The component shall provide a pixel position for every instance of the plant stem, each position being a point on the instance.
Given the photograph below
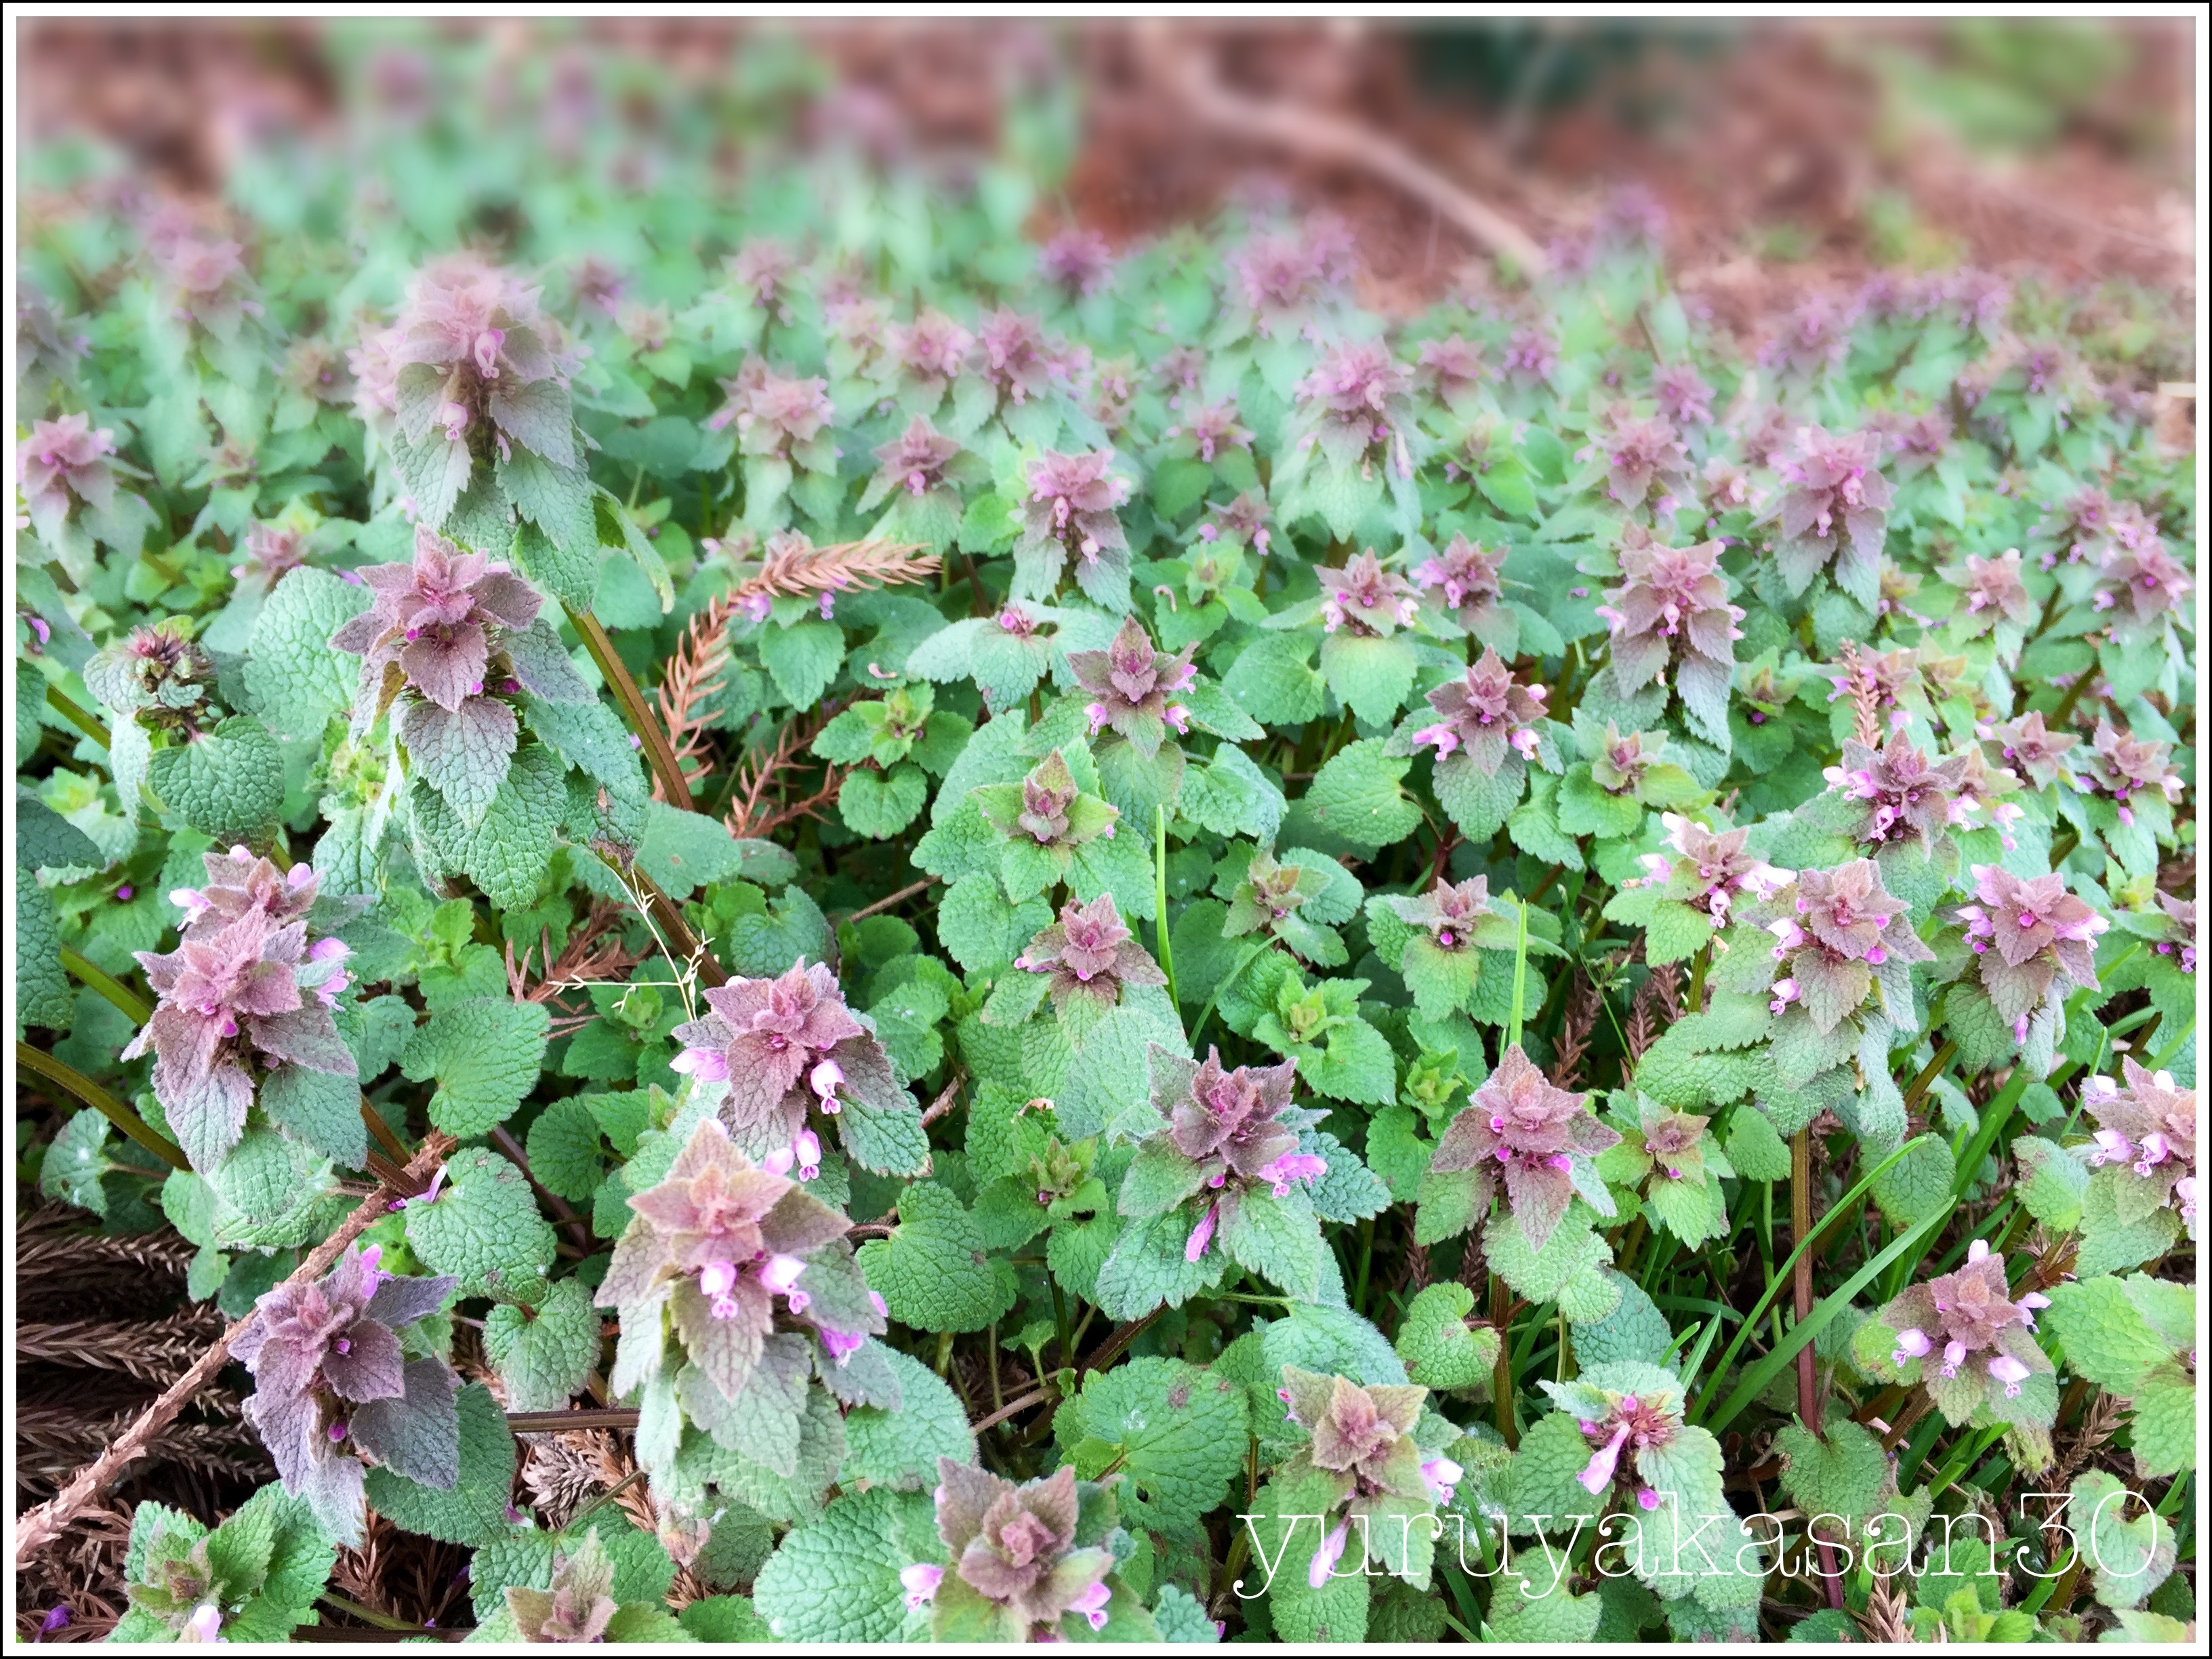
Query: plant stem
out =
(113, 989)
(1930, 1071)
(1501, 1374)
(662, 758)
(134, 1126)
(370, 1616)
(1520, 975)
(609, 1495)
(1160, 901)
(83, 720)
(1233, 975)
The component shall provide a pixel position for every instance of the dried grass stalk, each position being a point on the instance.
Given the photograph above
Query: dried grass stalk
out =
(795, 566)
(689, 684)
(154, 1351)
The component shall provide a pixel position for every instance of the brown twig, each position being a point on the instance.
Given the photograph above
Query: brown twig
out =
(946, 1099)
(899, 897)
(1577, 1021)
(35, 1529)
(751, 813)
(1015, 1407)
(1317, 135)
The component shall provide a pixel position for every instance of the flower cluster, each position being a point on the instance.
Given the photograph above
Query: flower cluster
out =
(1630, 1424)
(2120, 766)
(787, 1046)
(916, 461)
(160, 672)
(1710, 868)
(1483, 713)
(1089, 953)
(1069, 514)
(1229, 1131)
(579, 1604)
(2143, 585)
(1840, 941)
(1995, 592)
(1016, 361)
(438, 620)
(1449, 913)
(1965, 1336)
(1362, 1438)
(1045, 810)
(1357, 407)
(1363, 599)
(1467, 575)
(1906, 795)
(331, 1379)
(471, 345)
(2039, 752)
(2033, 941)
(243, 993)
(1281, 278)
(1643, 454)
(1538, 1138)
(65, 459)
(716, 1242)
(2148, 1128)
(1013, 1547)
(1133, 686)
(1836, 508)
(1673, 606)
(777, 415)
(1270, 896)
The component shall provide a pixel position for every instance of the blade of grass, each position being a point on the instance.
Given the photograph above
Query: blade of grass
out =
(76, 1083)
(1781, 1275)
(1160, 901)
(1806, 1329)
(1520, 974)
(109, 987)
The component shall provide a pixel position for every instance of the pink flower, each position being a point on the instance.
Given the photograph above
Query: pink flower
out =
(1292, 1167)
(1911, 1345)
(1441, 1477)
(1597, 1474)
(1091, 1604)
(921, 1581)
(1201, 1235)
(1323, 1565)
(2009, 1371)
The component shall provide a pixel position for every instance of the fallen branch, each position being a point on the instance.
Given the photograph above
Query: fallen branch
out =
(1318, 136)
(39, 1527)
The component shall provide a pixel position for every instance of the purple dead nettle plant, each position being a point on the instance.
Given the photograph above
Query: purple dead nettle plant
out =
(1364, 600)
(1356, 406)
(1014, 1546)
(2180, 940)
(2118, 766)
(1671, 606)
(1981, 787)
(2143, 585)
(272, 552)
(1840, 936)
(764, 271)
(1071, 514)
(1618, 761)
(1965, 1336)
(578, 1605)
(784, 417)
(203, 278)
(1532, 354)
(1642, 454)
(1226, 1132)
(1047, 811)
(1483, 715)
(65, 459)
(914, 461)
(1451, 914)
(1361, 1439)
(1468, 577)
(1015, 359)
(472, 343)
(1450, 369)
(2032, 941)
(1906, 795)
(1708, 869)
(715, 1245)
(1994, 592)
(1269, 897)
(1209, 428)
(2039, 752)
(331, 1380)
(1245, 519)
(243, 993)
(1834, 511)
(1537, 1139)
(1619, 1428)
(1682, 395)
(443, 628)
(1090, 954)
(1282, 279)
(786, 1047)
(2147, 1127)
(1132, 687)
(1078, 262)
(930, 352)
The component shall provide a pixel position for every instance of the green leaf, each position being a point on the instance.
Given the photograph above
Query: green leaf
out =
(1356, 802)
(485, 1054)
(2105, 1335)
(2130, 1547)
(1272, 681)
(1843, 1475)
(319, 1107)
(1754, 1147)
(880, 805)
(837, 1579)
(43, 994)
(934, 1272)
(483, 1227)
(1370, 676)
(1918, 1184)
(564, 1146)
(1147, 1267)
(802, 660)
(474, 1510)
(542, 1354)
(980, 930)
(900, 1447)
(1177, 1433)
(1439, 1348)
(228, 783)
(295, 679)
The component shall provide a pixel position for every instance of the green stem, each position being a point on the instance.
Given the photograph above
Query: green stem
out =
(113, 989)
(68, 1077)
(1235, 974)
(1160, 900)
(662, 758)
(1930, 1071)
(1520, 975)
(370, 1616)
(84, 721)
